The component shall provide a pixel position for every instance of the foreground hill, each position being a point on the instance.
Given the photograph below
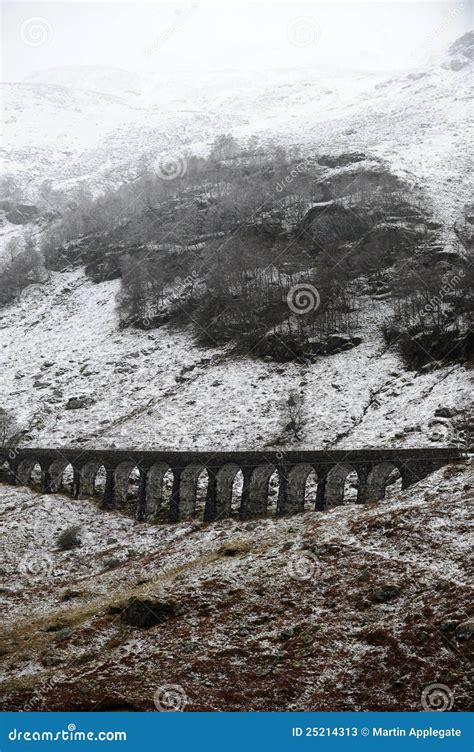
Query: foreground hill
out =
(357, 608)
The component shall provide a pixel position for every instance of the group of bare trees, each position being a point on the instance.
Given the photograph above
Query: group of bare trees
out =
(222, 245)
(22, 266)
(433, 309)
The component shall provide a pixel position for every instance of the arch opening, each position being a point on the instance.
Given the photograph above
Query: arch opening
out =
(342, 485)
(159, 485)
(229, 485)
(92, 480)
(384, 481)
(351, 488)
(126, 483)
(311, 492)
(193, 491)
(29, 473)
(263, 491)
(301, 488)
(273, 493)
(61, 476)
(393, 484)
(236, 493)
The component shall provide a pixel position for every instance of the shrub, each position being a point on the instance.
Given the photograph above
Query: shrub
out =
(69, 538)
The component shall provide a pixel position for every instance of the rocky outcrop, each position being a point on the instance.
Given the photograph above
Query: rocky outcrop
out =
(461, 53)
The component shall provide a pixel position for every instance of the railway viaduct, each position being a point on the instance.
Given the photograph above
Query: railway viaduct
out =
(166, 483)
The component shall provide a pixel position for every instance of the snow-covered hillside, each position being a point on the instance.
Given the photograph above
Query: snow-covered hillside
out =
(158, 389)
(96, 124)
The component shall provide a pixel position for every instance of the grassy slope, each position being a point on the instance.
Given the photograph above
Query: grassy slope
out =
(248, 634)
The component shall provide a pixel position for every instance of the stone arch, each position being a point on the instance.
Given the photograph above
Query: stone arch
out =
(29, 473)
(92, 478)
(61, 474)
(338, 484)
(379, 478)
(159, 484)
(259, 487)
(297, 484)
(229, 485)
(126, 480)
(192, 491)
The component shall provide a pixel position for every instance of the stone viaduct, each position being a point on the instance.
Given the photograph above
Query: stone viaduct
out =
(166, 482)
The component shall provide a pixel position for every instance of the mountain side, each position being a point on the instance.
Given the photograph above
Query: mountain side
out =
(353, 609)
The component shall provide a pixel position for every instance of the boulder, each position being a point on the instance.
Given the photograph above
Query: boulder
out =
(465, 630)
(148, 612)
(78, 403)
(338, 340)
(385, 593)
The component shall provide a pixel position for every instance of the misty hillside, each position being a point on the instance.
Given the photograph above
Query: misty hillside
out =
(384, 159)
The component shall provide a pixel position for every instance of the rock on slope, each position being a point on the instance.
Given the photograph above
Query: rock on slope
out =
(357, 608)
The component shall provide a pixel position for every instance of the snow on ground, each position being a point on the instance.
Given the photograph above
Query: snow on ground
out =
(159, 389)
(356, 608)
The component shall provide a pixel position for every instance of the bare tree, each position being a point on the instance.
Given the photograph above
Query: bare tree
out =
(294, 412)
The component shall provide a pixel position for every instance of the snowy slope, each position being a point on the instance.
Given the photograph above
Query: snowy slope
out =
(94, 123)
(159, 389)
(293, 608)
